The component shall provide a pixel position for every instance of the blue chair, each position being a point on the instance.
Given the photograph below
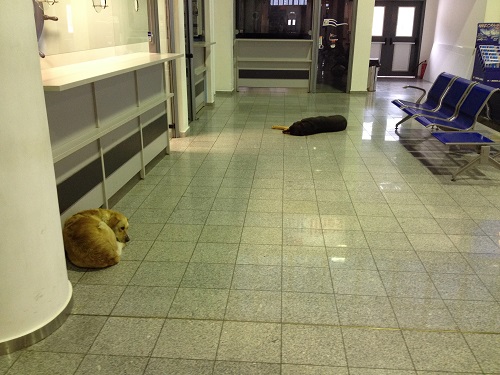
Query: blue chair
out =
(450, 103)
(467, 111)
(469, 139)
(434, 96)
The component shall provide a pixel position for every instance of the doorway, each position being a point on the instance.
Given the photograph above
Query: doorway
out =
(396, 35)
(334, 42)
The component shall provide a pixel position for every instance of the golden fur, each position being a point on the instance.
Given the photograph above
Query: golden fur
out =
(95, 238)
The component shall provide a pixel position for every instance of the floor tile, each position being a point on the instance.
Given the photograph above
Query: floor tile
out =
(380, 224)
(338, 238)
(474, 244)
(193, 303)
(215, 253)
(485, 349)
(262, 235)
(108, 365)
(180, 232)
(144, 301)
(307, 256)
(159, 274)
(259, 254)
(461, 287)
(306, 279)
(376, 349)
(229, 367)
(309, 308)
(388, 241)
(234, 218)
(291, 220)
(359, 282)
(256, 277)
(45, 363)
(188, 339)
(440, 351)
(350, 258)
(76, 335)
(164, 251)
(95, 299)
(312, 345)
(390, 260)
(221, 234)
(264, 219)
(254, 305)
(207, 275)
(119, 274)
(195, 217)
(431, 242)
(160, 366)
(408, 284)
(475, 316)
(372, 311)
(288, 369)
(416, 313)
(127, 337)
(250, 342)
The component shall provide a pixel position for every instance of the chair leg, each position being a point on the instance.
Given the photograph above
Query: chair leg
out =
(403, 120)
(483, 158)
(469, 165)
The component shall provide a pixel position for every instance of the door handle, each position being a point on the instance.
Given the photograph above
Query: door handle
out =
(390, 41)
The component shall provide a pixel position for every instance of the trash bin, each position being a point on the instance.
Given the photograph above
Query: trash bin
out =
(373, 68)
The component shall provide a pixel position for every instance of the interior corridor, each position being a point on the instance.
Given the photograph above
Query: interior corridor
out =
(255, 252)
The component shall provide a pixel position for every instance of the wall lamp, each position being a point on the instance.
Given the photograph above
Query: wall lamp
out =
(99, 5)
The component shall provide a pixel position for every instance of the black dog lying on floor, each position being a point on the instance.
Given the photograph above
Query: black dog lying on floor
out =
(314, 125)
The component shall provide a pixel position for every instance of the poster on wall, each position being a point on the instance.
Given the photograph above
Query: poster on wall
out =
(487, 57)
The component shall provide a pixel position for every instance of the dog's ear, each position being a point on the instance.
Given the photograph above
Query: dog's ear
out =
(113, 221)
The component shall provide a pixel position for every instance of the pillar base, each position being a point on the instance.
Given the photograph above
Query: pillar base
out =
(39, 334)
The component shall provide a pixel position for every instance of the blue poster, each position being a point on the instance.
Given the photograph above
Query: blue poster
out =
(487, 57)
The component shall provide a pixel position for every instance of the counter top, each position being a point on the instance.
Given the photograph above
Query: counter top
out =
(203, 44)
(69, 76)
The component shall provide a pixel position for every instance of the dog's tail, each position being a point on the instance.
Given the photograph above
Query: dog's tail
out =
(281, 127)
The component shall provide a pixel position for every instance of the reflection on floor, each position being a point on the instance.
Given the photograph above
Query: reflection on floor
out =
(254, 252)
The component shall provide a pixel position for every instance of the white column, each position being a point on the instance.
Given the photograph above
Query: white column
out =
(362, 45)
(35, 294)
(224, 36)
(182, 121)
(210, 55)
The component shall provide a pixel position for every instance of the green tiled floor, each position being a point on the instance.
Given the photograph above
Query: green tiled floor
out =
(254, 252)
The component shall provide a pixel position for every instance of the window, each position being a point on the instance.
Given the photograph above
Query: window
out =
(280, 19)
(288, 2)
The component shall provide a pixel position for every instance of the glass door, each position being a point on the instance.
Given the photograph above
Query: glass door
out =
(334, 42)
(395, 36)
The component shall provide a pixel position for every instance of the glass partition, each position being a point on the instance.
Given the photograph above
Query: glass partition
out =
(274, 19)
(82, 27)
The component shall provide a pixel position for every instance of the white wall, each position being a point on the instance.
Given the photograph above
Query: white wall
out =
(81, 28)
(224, 36)
(455, 37)
(492, 11)
(429, 29)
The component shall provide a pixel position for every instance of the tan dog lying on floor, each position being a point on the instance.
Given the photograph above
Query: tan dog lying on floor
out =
(95, 238)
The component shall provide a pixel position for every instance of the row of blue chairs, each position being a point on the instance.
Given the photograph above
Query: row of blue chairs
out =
(453, 103)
